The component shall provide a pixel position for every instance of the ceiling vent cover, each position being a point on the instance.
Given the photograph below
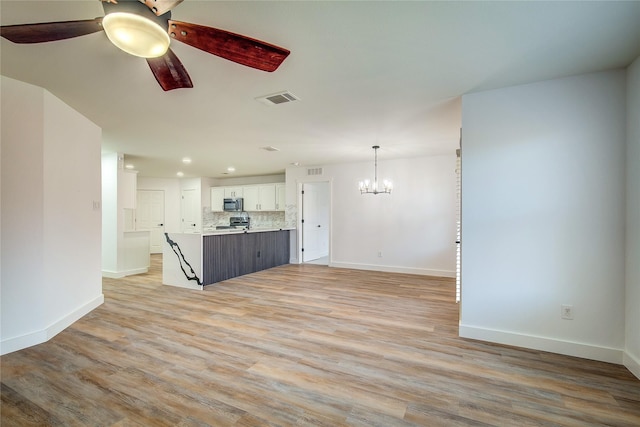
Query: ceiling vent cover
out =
(314, 171)
(278, 98)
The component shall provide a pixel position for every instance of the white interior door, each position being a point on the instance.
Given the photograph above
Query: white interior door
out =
(315, 225)
(190, 210)
(150, 216)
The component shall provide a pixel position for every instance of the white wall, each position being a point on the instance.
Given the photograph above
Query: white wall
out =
(22, 311)
(124, 252)
(413, 227)
(632, 351)
(51, 216)
(110, 230)
(171, 188)
(543, 209)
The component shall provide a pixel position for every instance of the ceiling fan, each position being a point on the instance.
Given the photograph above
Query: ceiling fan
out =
(144, 28)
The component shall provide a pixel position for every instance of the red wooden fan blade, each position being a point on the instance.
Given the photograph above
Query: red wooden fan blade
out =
(234, 47)
(50, 31)
(169, 71)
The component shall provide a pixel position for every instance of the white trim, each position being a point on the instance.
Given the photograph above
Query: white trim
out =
(568, 348)
(38, 337)
(631, 363)
(394, 269)
(124, 273)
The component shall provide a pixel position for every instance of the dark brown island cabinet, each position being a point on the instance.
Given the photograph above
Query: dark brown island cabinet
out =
(225, 256)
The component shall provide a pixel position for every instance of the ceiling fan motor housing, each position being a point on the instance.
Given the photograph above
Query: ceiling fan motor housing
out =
(140, 9)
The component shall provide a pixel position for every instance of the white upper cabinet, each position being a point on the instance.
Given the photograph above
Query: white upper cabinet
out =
(233, 191)
(251, 195)
(280, 197)
(267, 197)
(217, 199)
(260, 197)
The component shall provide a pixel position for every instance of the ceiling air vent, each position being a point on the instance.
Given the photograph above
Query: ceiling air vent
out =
(314, 171)
(277, 98)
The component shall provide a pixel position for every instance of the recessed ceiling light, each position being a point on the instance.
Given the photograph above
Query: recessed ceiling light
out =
(270, 148)
(180, 174)
(129, 166)
(186, 160)
(295, 164)
(231, 169)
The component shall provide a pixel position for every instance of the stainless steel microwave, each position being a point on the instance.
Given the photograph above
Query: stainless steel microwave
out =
(233, 205)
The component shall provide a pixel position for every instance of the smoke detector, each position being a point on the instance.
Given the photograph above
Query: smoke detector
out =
(278, 98)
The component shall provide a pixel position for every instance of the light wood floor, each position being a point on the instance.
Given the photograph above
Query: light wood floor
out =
(299, 345)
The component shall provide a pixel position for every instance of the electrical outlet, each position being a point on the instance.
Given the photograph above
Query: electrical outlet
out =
(379, 254)
(566, 311)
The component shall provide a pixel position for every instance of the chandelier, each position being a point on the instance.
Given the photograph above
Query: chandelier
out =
(368, 187)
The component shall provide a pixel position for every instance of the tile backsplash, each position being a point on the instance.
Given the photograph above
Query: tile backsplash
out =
(267, 219)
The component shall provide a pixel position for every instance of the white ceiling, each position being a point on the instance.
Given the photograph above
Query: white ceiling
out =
(387, 73)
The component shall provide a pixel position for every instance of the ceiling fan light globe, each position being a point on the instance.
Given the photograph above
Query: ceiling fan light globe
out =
(136, 35)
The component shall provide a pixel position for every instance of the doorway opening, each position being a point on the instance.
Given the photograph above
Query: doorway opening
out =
(459, 221)
(315, 222)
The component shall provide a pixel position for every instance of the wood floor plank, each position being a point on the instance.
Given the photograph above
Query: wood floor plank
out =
(299, 345)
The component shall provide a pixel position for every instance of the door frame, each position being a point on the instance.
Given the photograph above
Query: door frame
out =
(299, 186)
(164, 214)
(198, 215)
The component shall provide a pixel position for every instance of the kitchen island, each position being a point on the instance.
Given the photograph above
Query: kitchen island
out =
(194, 260)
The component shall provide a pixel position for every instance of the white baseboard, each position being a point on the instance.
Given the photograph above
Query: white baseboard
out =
(394, 269)
(585, 351)
(38, 337)
(632, 364)
(23, 341)
(123, 273)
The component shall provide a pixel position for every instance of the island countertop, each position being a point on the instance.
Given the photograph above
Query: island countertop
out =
(211, 232)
